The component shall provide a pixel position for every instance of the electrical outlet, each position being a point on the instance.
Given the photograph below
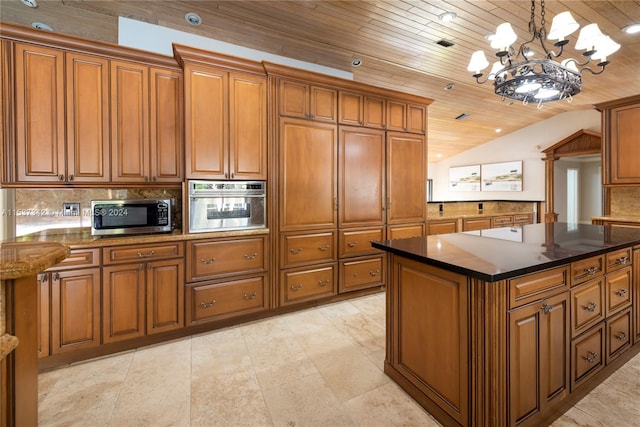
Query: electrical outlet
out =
(70, 209)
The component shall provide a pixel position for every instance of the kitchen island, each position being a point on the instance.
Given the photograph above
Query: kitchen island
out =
(510, 326)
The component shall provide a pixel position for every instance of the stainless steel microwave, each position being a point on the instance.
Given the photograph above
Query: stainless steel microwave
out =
(139, 216)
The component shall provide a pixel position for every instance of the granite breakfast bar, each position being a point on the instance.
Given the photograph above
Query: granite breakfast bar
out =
(20, 262)
(510, 326)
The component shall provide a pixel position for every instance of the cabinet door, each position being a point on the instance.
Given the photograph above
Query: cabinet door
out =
(75, 310)
(324, 104)
(87, 118)
(40, 123)
(308, 156)
(624, 131)
(166, 125)
(351, 108)
(416, 118)
(396, 116)
(361, 177)
(129, 122)
(538, 356)
(247, 127)
(406, 178)
(165, 295)
(375, 113)
(123, 302)
(294, 99)
(206, 122)
(43, 314)
(636, 295)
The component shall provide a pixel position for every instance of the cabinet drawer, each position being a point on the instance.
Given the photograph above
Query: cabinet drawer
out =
(535, 286)
(472, 224)
(120, 254)
(361, 274)
(586, 355)
(442, 226)
(618, 259)
(523, 218)
(218, 258)
(502, 221)
(358, 242)
(586, 269)
(618, 291)
(299, 249)
(618, 334)
(213, 301)
(405, 231)
(308, 284)
(79, 258)
(587, 305)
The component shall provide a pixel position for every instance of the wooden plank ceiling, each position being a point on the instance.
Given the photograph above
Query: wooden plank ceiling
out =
(395, 39)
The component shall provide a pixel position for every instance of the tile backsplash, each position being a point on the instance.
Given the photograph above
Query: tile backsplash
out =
(41, 209)
(625, 201)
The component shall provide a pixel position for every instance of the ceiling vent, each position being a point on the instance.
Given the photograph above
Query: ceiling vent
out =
(445, 43)
(462, 116)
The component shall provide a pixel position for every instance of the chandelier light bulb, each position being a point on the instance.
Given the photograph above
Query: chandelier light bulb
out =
(478, 62)
(604, 47)
(528, 86)
(497, 66)
(505, 37)
(562, 25)
(588, 37)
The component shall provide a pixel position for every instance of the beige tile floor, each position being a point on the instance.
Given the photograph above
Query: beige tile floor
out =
(317, 367)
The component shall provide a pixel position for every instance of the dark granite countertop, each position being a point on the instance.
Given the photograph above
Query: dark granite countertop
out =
(504, 253)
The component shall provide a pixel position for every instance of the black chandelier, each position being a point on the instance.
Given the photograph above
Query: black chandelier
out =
(517, 77)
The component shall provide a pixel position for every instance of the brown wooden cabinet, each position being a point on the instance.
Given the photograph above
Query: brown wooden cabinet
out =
(620, 130)
(442, 226)
(308, 175)
(357, 109)
(143, 297)
(406, 178)
(225, 116)
(406, 117)
(307, 100)
(636, 295)
(472, 224)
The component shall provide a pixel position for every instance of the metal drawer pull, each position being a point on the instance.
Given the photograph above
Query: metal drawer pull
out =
(295, 288)
(207, 304)
(591, 357)
(323, 248)
(296, 251)
(621, 336)
(622, 260)
(591, 307)
(374, 272)
(207, 261)
(150, 254)
(251, 256)
(621, 292)
(546, 308)
(252, 296)
(352, 244)
(323, 282)
(590, 271)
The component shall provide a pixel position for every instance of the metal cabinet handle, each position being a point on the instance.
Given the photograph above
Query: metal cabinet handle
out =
(251, 256)
(546, 308)
(150, 254)
(621, 336)
(622, 260)
(70, 177)
(252, 296)
(207, 304)
(43, 278)
(207, 261)
(621, 292)
(374, 272)
(55, 277)
(591, 357)
(296, 251)
(591, 307)
(323, 248)
(146, 179)
(295, 288)
(352, 244)
(60, 177)
(589, 271)
(323, 282)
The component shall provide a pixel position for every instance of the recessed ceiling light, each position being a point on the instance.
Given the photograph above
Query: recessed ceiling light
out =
(450, 86)
(439, 156)
(498, 130)
(30, 3)
(356, 62)
(193, 18)
(632, 29)
(447, 17)
(41, 26)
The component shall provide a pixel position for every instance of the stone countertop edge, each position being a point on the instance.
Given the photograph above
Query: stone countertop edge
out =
(7, 344)
(446, 216)
(23, 259)
(620, 218)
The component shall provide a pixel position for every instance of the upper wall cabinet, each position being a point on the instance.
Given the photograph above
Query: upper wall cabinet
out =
(225, 116)
(357, 109)
(406, 117)
(621, 137)
(307, 101)
(44, 151)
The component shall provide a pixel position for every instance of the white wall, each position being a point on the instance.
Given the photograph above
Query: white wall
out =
(525, 144)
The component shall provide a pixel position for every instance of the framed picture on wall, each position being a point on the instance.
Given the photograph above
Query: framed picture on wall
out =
(464, 178)
(506, 176)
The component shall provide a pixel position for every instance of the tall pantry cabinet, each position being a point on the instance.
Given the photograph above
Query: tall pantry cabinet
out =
(339, 180)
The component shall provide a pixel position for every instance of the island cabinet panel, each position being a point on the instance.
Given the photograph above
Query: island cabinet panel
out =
(538, 356)
(618, 291)
(587, 355)
(586, 269)
(587, 305)
(434, 359)
(406, 178)
(636, 295)
(618, 334)
(535, 286)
